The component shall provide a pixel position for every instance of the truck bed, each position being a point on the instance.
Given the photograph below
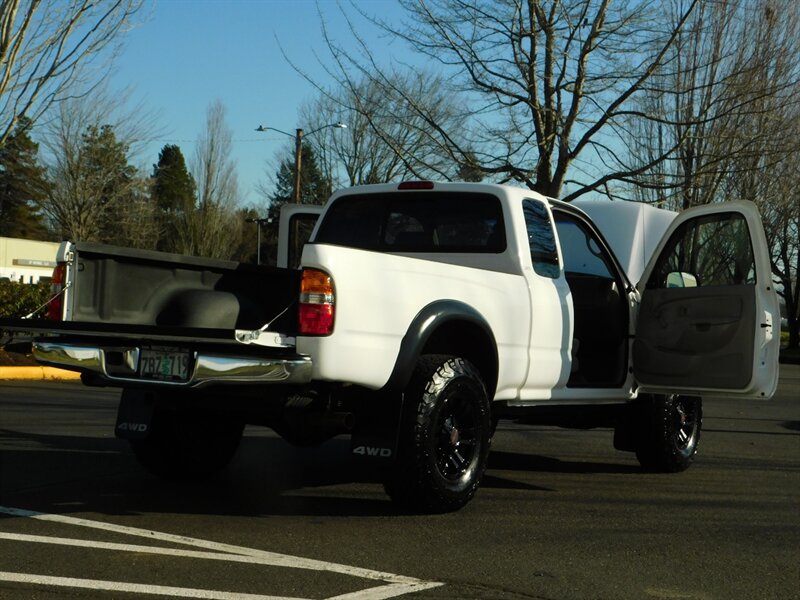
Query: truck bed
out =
(122, 286)
(215, 321)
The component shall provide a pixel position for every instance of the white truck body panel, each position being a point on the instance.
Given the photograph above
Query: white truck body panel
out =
(382, 293)
(373, 315)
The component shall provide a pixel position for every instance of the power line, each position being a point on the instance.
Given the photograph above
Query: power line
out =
(195, 140)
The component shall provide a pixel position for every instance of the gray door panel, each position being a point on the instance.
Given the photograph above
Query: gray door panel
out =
(696, 337)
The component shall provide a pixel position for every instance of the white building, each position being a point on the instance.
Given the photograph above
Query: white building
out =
(26, 261)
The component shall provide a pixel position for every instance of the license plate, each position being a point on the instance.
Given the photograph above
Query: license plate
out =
(164, 365)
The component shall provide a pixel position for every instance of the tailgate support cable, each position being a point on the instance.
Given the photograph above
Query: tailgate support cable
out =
(32, 314)
(276, 340)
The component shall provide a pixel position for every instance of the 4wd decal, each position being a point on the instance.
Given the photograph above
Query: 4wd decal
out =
(373, 451)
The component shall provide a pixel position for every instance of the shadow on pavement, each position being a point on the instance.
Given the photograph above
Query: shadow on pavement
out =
(62, 474)
(510, 461)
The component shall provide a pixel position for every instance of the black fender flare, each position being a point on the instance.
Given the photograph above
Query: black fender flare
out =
(431, 318)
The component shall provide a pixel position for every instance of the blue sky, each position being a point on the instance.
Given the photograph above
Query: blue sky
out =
(189, 53)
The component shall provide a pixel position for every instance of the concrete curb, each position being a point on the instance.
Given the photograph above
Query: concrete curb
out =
(37, 374)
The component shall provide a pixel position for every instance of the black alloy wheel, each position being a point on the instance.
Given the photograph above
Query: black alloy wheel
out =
(670, 434)
(444, 438)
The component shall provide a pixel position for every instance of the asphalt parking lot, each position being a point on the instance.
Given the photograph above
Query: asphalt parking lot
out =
(561, 515)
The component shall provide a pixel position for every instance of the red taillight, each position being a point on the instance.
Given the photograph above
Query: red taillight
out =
(316, 319)
(55, 308)
(416, 185)
(316, 312)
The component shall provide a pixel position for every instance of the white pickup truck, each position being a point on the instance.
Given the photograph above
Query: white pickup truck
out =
(422, 313)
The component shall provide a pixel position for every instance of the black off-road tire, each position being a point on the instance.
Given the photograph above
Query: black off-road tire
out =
(185, 446)
(670, 432)
(444, 438)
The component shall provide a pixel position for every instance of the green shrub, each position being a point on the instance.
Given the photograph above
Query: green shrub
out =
(20, 299)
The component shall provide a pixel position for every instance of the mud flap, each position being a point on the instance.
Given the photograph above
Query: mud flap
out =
(135, 415)
(377, 427)
(630, 427)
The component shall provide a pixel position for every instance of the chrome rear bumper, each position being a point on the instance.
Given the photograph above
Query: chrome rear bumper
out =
(120, 364)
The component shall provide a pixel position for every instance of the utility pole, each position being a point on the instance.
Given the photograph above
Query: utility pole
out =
(298, 151)
(298, 162)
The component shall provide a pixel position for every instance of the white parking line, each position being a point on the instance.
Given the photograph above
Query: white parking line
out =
(132, 588)
(395, 585)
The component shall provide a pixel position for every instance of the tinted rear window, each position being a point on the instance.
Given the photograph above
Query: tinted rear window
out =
(416, 222)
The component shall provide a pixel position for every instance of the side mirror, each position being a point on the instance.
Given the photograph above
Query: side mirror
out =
(679, 279)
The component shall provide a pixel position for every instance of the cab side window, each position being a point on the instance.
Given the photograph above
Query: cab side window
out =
(542, 242)
(706, 251)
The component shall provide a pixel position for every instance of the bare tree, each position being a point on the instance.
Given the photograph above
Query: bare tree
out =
(47, 51)
(731, 67)
(211, 228)
(95, 193)
(384, 139)
(546, 87)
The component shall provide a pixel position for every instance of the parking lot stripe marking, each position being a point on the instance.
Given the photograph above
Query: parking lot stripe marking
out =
(269, 558)
(60, 541)
(396, 585)
(135, 588)
(385, 592)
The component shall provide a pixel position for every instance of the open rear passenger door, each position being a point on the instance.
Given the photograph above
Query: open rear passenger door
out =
(709, 317)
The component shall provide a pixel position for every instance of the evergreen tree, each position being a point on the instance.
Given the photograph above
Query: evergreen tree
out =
(247, 249)
(173, 186)
(111, 179)
(173, 193)
(314, 187)
(23, 186)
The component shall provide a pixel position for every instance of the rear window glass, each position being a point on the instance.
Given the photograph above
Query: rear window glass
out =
(416, 222)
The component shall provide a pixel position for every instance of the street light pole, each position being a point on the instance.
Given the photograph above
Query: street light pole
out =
(298, 151)
(259, 221)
